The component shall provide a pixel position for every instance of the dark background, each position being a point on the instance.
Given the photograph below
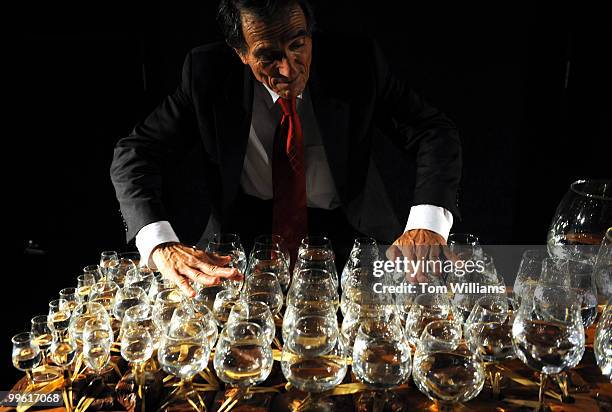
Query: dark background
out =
(528, 88)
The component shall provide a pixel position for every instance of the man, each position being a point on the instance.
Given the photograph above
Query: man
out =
(287, 118)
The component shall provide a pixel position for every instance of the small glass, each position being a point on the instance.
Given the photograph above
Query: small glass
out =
(224, 302)
(127, 297)
(270, 261)
(59, 315)
(84, 284)
(109, 264)
(97, 341)
(265, 288)
(26, 354)
(425, 309)
(255, 312)
(229, 244)
(603, 343)
(93, 270)
(43, 337)
(71, 296)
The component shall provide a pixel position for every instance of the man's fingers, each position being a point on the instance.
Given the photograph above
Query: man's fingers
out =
(218, 271)
(180, 281)
(200, 277)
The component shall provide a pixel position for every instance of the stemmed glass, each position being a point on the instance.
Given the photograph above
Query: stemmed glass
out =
(270, 261)
(264, 287)
(104, 293)
(255, 312)
(127, 297)
(444, 368)
(488, 331)
(603, 268)
(63, 351)
(84, 285)
(603, 343)
(363, 254)
(81, 314)
(43, 337)
(109, 264)
(548, 334)
(71, 296)
(229, 244)
(184, 352)
(381, 355)
(59, 315)
(97, 339)
(222, 307)
(272, 242)
(243, 356)
(528, 274)
(581, 220)
(464, 246)
(165, 304)
(207, 318)
(315, 252)
(95, 271)
(137, 348)
(26, 353)
(314, 357)
(425, 309)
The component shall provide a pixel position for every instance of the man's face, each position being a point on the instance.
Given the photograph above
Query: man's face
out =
(279, 52)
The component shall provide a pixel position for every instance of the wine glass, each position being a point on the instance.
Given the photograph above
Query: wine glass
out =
(463, 298)
(528, 274)
(184, 352)
(444, 368)
(141, 316)
(548, 334)
(425, 309)
(363, 254)
(314, 357)
(127, 297)
(581, 220)
(63, 351)
(109, 264)
(81, 314)
(229, 244)
(243, 356)
(603, 343)
(207, 318)
(381, 355)
(93, 270)
(104, 292)
(580, 278)
(141, 277)
(264, 287)
(270, 261)
(97, 339)
(224, 302)
(255, 312)
(71, 296)
(488, 331)
(137, 348)
(26, 353)
(43, 337)
(272, 242)
(59, 315)
(84, 285)
(465, 246)
(165, 304)
(315, 252)
(603, 268)
(356, 314)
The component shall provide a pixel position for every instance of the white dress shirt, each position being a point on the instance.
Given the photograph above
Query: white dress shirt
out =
(256, 177)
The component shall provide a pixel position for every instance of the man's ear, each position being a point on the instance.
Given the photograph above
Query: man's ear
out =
(241, 55)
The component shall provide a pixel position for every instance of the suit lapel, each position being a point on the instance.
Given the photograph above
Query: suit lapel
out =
(332, 115)
(233, 111)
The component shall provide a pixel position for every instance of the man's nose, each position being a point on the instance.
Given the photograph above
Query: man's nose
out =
(286, 68)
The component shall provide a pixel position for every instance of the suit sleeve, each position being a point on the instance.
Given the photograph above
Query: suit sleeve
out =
(420, 128)
(155, 144)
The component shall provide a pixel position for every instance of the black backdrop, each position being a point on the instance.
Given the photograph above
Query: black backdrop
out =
(528, 88)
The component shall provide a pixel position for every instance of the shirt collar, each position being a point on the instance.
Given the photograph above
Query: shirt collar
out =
(275, 96)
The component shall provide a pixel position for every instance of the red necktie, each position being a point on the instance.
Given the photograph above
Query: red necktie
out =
(289, 217)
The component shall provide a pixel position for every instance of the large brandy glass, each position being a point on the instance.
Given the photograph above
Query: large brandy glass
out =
(581, 220)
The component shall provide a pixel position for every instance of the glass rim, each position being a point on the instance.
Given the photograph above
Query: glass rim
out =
(224, 238)
(22, 337)
(604, 184)
(322, 241)
(451, 323)
(64, 291)
(269, 239)
(109, 253)
(474, 239)
(57, 302)
(85, 275)
(39, 319)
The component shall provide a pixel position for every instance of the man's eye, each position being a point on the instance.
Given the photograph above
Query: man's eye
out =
(297, 45)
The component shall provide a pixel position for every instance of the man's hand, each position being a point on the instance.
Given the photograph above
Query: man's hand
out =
(417, 245)
(179, 263)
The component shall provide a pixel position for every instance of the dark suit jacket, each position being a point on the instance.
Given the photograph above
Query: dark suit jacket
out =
(357, 101)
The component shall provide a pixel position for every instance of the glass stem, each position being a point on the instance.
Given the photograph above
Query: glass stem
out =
(444, 406)
(563, 384)
(543, 380)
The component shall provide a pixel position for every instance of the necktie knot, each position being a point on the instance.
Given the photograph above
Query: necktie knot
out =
(288, 106)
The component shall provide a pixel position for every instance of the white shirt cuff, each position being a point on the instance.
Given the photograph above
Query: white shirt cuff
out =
(152, 235)
(430, 217)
